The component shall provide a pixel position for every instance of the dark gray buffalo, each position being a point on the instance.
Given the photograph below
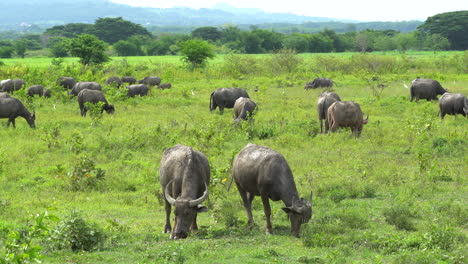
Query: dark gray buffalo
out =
(66, 82)
(85, 85)
(243, 108)
(137, 89)
(226, 97)
(260, 171)
(453, 104)
(151, 80)
(11, 85)
(346, 114)
(324, 101)
(425, 89)
(38, 90)
(318, 82)
(4, 95)
(129, 79)
(184, 175)
(93, 97)
(163, 86)
(113, 81)
(11, 108)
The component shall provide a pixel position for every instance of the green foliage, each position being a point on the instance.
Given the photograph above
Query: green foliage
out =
(111, 30)
(89, 49)
(21, 245)
(85, 175)
(59, 46)
(451, 25)
(207, 33)
(77, 234)
(196, 52)
(285, 61)
(400, 215)
(127, 48)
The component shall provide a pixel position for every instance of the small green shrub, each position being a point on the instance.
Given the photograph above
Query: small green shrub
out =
(76, 234)
(225, 212)
(400, 215)
(85, 175)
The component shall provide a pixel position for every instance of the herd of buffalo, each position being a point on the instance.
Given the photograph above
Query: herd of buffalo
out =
(257, 170)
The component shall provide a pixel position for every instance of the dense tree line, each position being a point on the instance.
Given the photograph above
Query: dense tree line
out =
(124, 38)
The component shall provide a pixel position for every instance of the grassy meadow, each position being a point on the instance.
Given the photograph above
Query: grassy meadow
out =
(397, 194)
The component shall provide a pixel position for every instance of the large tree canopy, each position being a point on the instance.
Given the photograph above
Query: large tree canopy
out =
(452, 25)
(112, 30)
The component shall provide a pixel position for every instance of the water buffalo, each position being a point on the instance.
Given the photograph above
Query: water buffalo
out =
(47, 93)
(226, 97)
(93, 97)
(425, 89)
(85, 85)
(243, 107)
(11, 85)
(324, 101)
(11, 108)
(163, 86)
(113, 81)
(261, 171)
(129, 79)
(346, 114)
(453, 104)
(137, 89)
(4, 95)
(66, 82)
(184, 175)
(150, 80)
(36, 90)
(318, 82)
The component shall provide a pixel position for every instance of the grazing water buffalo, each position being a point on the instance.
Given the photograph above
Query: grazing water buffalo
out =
(425, 89)
(66, 82)
(318, 82)
(4, 95)
(137, 89)
(453, 104)
(93, 97)
(346, 114)
(11, 108)
(11, 85)
(151, 80)
(184, 175)
(129, 79)
(324, 101)
(243, 107)
(36, 90)
(47, 93)
(226, 97)
(85, 85)
(113, 81)
(261, 171)
(163, 86)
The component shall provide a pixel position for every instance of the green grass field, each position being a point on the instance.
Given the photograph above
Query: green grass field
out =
(397, 194)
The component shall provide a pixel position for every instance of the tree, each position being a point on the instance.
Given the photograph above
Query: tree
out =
(89, 49)
(196, 52)
(451, 25)
(252, 43)
(437, 42)
(207, 33)
(297, 42)
(69, 30)
(270, 40)
(59, 46)
(127, 48)
(112, 30)
(20, 48)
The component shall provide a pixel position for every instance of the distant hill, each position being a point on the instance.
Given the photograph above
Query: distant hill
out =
(23, 15)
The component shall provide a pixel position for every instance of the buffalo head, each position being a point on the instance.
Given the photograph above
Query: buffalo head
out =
(299, 213)
(185, 211)
(30, 119)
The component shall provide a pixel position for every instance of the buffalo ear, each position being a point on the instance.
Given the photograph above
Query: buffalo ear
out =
(201, 209)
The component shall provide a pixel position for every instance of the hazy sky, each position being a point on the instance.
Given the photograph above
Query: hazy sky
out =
(361, 10)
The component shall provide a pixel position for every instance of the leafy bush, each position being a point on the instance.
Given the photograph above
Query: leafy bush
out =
(85, 175)
(76, 234)
(400, 215)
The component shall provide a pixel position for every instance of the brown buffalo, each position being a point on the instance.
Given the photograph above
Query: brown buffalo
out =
(346, 114)
(453, 104)
(243, 108)
(324, 101)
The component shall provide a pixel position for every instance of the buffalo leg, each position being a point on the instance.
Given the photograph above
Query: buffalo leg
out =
(12, 121)
(321, 126)
(327, 126)
(247, 199)
(267, 209)
(221, 109)
(167, 227)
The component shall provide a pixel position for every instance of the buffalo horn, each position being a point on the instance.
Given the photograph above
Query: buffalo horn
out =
(198, 201)
(168, 196)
